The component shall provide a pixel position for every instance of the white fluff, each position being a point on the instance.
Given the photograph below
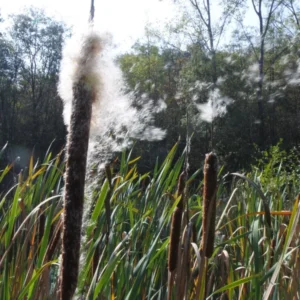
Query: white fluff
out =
(216, 106)
(115, 121)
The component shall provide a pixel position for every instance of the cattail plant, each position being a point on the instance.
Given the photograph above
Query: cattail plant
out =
(85, 92)
(209, 204)
(208, 222)
(86, 88)
(175, 232)
(174, 239)
(176, 225)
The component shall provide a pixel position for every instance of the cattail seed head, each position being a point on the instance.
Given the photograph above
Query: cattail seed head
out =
(85, 87)
(209, 204)
(174, 239)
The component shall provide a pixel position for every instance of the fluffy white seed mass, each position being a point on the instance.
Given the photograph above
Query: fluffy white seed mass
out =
(115, 122)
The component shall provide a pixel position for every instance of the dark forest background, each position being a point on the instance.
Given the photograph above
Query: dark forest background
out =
(252, 80)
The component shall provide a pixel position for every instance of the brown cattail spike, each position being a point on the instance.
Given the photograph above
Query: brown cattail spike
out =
(209, 204)
(175, 238)
(85, 90)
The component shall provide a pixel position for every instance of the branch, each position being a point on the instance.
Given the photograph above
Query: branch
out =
(292, 9)
(196, 6)
(211, 38)
(271, 11)
(278, 55)
(255, 8)
(224, 22)
(155, 34)
(249, 40)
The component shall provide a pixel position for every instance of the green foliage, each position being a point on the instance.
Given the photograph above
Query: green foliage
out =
(185, 72)
(29, 219)
(278, 169)
(127, 225)
(30, 54)
(126, 233)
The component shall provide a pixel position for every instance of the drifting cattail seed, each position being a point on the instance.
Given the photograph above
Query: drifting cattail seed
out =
(174, 239)
(209, 204)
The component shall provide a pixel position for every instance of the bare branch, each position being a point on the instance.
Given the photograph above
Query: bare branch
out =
(277, 56)
(291, 8)
(196, 6)
(227, 15)
(271, 11)
(255, 8)
(249, 40)
(204, 4)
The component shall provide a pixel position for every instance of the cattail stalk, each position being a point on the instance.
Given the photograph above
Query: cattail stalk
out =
(107, 201)
(85, 92)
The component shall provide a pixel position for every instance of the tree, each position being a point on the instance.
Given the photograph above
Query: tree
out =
(30, 62)
(235, 77)
(151, 74)
(209, 38)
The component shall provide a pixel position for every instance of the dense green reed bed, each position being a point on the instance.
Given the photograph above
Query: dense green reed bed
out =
(126, 234)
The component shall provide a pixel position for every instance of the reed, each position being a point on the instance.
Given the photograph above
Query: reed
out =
(133, 263)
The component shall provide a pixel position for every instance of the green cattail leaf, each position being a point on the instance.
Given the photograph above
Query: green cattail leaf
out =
(289, 236)
(13, 214)
(3, 149)
(163, 171)
(234, 284)
(234, 239)
(100, 201)
(193, 176)
(261, 194)
(141, 268)
(36, 274)
(176, 171)
(106, 275)
(30, 171)
(5, 171)
(45, 239)
(134, 160)
(162, 248)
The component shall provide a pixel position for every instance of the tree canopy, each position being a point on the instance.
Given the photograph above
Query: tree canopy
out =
(30, 54)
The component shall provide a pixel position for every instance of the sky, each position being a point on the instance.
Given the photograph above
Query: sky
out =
(125, 20)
